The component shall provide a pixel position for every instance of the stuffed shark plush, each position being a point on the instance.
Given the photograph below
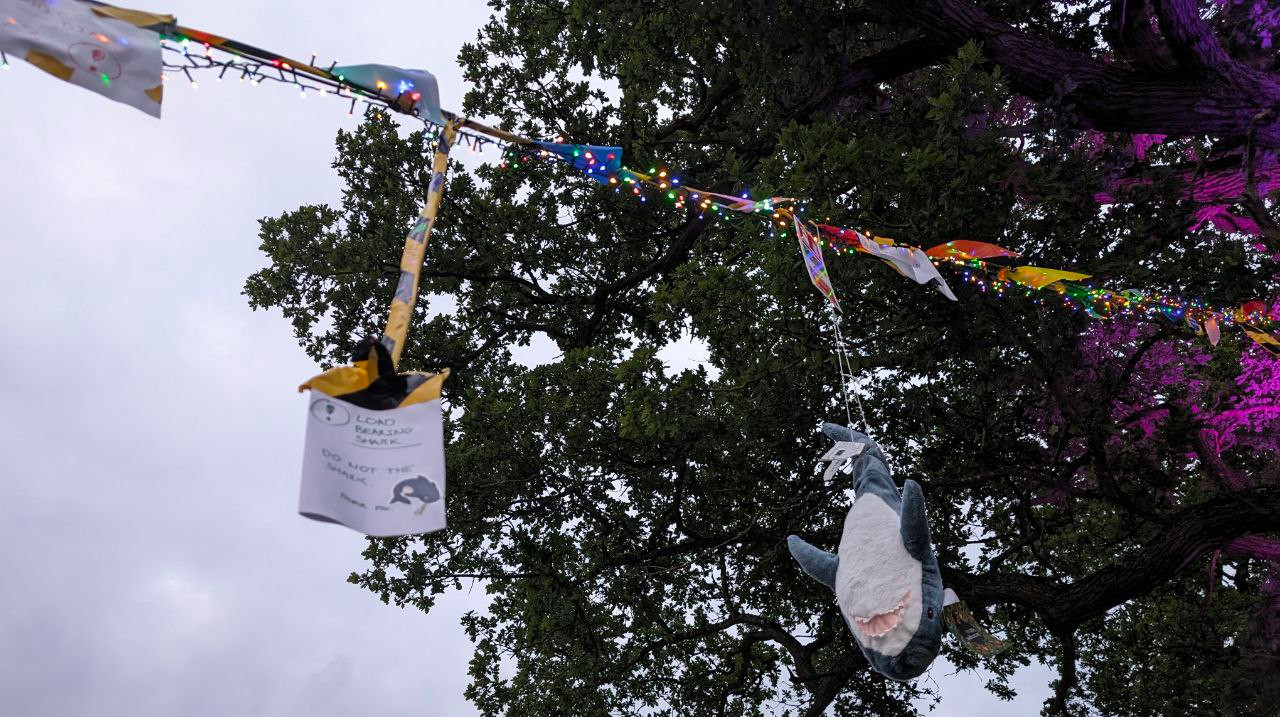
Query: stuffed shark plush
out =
(885, 577)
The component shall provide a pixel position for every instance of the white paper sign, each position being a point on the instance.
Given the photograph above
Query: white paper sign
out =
(378, 472)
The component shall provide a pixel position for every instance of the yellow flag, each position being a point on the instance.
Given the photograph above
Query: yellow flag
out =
(1038, 278)
(1266, 341)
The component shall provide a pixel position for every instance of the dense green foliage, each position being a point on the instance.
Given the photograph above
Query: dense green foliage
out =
(628, 521)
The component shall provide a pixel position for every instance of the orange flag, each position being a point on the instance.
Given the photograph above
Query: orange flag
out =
(966, 249)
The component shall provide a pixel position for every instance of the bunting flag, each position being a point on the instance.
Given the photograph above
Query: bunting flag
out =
(909, 261)
(409, 90)
(745, 204)
(415, 249)
(811, 250)
(1267, 341)
(108, 50)
(599, 163)
(1251, 311)
(1037, 277)
(966, 249)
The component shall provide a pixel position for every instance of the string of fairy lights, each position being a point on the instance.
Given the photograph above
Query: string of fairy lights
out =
(195, 59)
(987, 276)
(246, 64)
(1098, 302)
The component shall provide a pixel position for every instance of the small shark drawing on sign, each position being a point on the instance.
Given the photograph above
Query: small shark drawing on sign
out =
(420, 488)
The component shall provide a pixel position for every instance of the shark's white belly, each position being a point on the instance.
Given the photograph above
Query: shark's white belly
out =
(875, 572)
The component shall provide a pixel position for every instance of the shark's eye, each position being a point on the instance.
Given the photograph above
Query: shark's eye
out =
(930, 613)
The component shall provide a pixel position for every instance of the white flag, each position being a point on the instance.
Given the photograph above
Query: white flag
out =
(910, 261)
(378, 472)
(87, 45)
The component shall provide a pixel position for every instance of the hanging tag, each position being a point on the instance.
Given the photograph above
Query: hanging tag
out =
(840, 455)
(961, 623)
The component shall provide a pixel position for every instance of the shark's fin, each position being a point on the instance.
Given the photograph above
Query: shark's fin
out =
(819, 564)
(915, 525)
(433, 493)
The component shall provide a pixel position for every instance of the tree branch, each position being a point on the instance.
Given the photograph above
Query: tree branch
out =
(692, 121)
(1190, 37)
(1067, 678)
(1111, 96)
(1130, 33)
(867, 72)
(1258, 547)
(1204, 526)
(1209, 456)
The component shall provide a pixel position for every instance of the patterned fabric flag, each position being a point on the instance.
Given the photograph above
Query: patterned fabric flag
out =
(811, 250)
(1251, 311)
(1265, 340)
(1212, 331)
(415, 247)
(909, 261)
(747, 205)
(104, 49)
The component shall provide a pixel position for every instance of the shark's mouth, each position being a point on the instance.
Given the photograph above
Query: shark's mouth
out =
(880, 624)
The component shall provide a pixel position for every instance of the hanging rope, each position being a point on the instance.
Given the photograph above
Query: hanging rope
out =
(808, 236)
(847, 377)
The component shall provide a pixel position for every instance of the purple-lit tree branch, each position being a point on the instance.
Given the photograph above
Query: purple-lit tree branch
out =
(1165, 71)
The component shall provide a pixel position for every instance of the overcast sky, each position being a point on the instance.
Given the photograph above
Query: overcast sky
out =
(151, 559)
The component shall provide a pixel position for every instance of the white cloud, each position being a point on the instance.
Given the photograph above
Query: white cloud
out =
(153, 561)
